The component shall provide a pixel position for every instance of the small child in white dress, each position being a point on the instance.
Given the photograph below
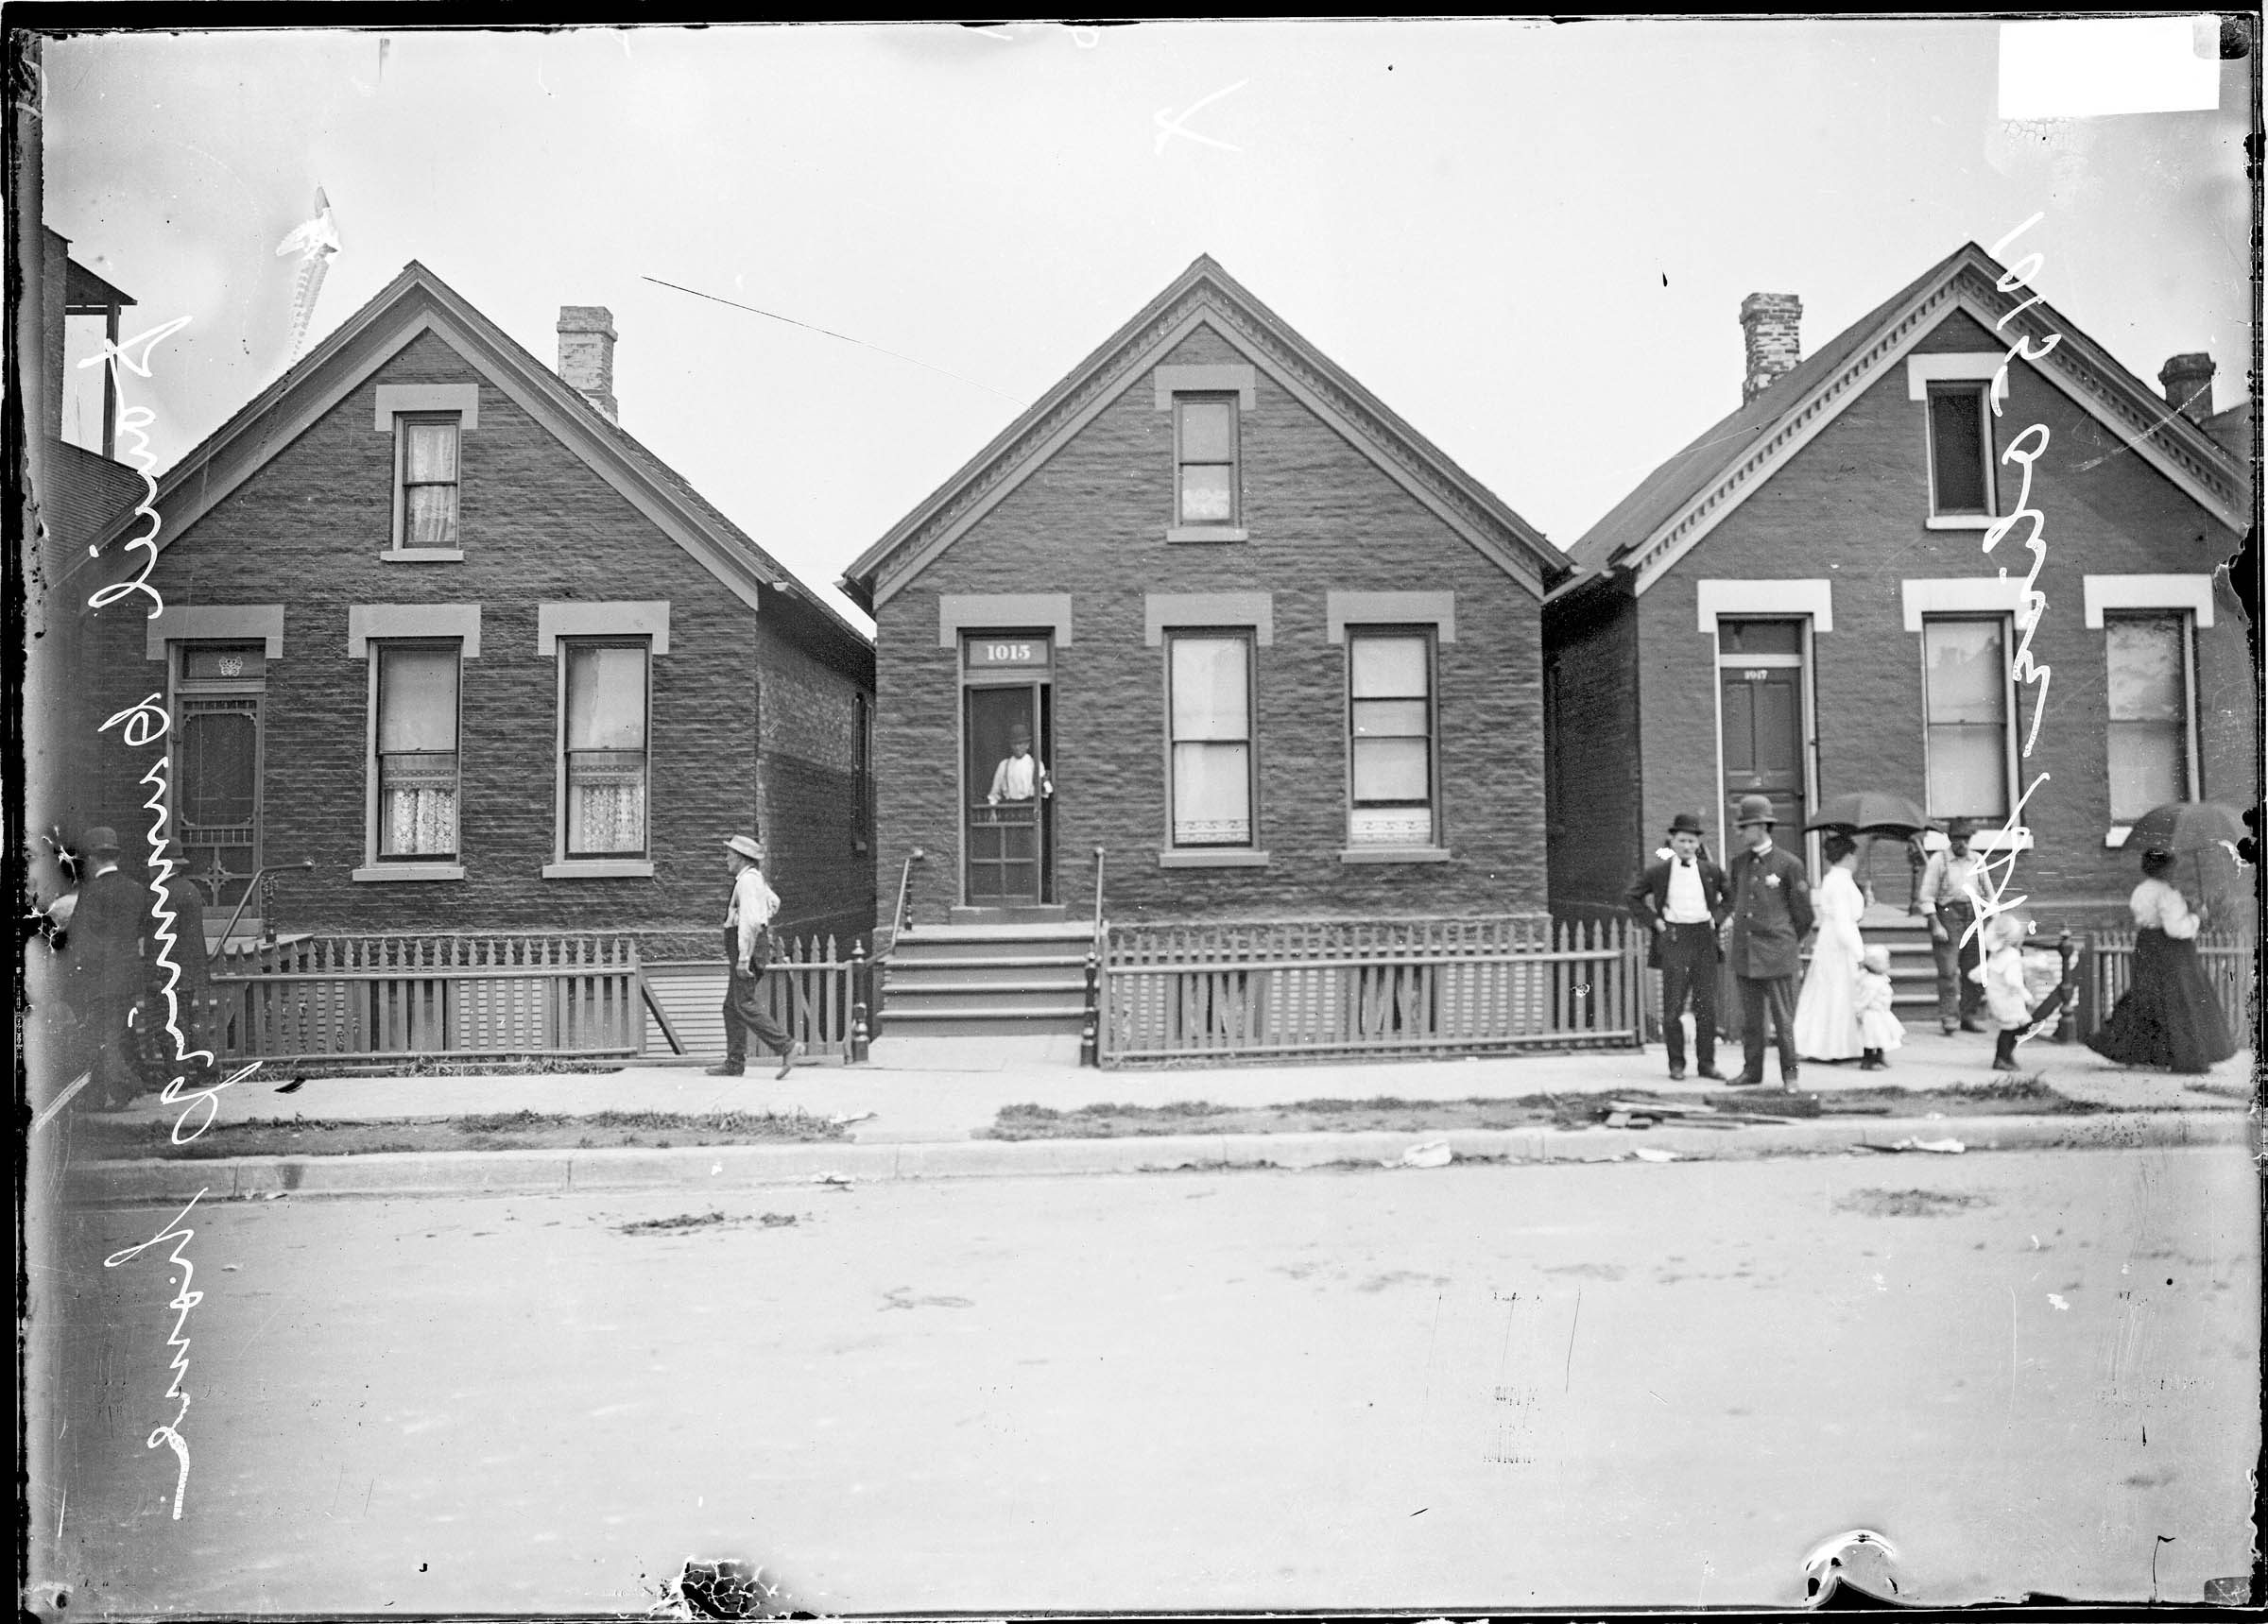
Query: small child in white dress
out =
(1878, 1030)
(2007, 998)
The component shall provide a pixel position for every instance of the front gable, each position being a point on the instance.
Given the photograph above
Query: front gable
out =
(1958, 307)
(1203, 307)
(417, 308)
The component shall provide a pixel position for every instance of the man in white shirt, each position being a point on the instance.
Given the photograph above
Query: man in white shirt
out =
(1681, 898)
(747, 946)
(1020, 777)
(1944, 900)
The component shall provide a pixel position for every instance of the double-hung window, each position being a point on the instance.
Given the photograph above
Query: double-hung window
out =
(603, 747)
(426, 475)
(2150, 711)
(1209, 679)
(1205, 485)
(416, 750)
(1961, 483)
(1969, 715)
(1390, 747)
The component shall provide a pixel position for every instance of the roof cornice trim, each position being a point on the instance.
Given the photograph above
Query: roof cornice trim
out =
(2200, 469)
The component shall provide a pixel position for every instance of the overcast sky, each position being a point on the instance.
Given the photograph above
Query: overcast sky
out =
(1530, 240)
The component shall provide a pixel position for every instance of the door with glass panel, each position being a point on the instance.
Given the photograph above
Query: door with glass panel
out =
(1007, 743)
(217, 696)
(1759, 672)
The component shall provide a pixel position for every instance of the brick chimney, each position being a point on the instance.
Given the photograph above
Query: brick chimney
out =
(2189, 384)
(586, 354)
(1769, 323)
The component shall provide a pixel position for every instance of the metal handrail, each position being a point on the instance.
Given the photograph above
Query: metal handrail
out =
(1098, 898)
(254, 885)
(905, 875)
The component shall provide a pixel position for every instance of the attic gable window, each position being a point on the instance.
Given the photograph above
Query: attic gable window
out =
(428, 422)
(1205, 460)
(428, 472)
(1960, 452)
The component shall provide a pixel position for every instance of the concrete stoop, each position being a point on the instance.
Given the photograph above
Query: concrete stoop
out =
(706, 1170)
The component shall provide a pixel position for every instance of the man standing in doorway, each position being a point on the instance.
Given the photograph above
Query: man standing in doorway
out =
(1020, 777)
(1947, 902)
(747, 946)
(1681, 898)
(1771, 912)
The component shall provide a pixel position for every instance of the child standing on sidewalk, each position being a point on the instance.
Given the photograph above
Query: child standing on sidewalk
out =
(2006, 999)
(1878, 1030)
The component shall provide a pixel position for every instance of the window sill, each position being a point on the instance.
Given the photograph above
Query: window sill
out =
(1201, 859)
(2001, 840)
(1206, 533)
(422, 555)
(2115, 840)
(1960, 521)
(1395, 854)
(386, 871)
(600, 868)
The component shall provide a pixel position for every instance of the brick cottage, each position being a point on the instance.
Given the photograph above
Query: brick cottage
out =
(434, 621)
(1278, 655)
(1797, 603)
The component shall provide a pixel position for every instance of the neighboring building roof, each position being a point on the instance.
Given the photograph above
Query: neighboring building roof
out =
(417, 303)
(1671, 509)
(1202, 294)
(2233, 428)
(83, 288)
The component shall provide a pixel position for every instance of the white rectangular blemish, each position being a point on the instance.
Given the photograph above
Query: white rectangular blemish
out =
(2092, 67)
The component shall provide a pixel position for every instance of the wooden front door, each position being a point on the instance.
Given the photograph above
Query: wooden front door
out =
(1763, 741)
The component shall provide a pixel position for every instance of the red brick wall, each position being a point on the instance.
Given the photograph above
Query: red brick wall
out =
(1595, 784)
(538, 524)
(1321, 517)
(1851, 506)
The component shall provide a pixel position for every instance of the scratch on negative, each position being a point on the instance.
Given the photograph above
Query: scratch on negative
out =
(1568, 1376)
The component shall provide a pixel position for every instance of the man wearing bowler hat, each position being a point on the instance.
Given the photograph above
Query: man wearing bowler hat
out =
(1681, 898)
(1771, 912)
(747, 946)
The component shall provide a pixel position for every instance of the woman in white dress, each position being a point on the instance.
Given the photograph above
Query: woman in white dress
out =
(1827, 1013)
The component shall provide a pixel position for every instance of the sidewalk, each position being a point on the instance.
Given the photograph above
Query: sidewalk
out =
(932, 1099)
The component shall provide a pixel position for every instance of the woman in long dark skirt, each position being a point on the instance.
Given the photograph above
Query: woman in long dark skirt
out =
(2170, 1020)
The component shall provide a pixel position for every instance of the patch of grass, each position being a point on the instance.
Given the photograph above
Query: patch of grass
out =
(106, 1139)
(1909, 1203)
(714, 1218)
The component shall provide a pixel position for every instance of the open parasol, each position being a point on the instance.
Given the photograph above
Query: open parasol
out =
(1870, 811)
(2187, 829)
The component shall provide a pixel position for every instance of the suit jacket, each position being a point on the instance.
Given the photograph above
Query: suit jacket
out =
(105, 942)
(1771, 914)
(1649, 893)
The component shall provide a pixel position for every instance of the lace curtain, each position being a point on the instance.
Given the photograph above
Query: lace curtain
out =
(605, 748)
(429, 485)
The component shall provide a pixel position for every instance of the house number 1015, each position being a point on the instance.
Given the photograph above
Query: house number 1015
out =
(1006, 652)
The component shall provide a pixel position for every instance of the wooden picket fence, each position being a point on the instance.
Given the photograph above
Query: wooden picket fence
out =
(811, 989)
(444, 996)
(1344, 987)
(434, 995)
(2229, 964)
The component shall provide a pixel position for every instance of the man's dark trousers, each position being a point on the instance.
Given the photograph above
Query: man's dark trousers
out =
(744, 1005)
(1777, 995)
(1689, 969)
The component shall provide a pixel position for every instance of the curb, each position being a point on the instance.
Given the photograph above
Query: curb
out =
(741, 1166)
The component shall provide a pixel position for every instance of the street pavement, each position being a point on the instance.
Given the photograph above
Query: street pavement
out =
(1469, 1387)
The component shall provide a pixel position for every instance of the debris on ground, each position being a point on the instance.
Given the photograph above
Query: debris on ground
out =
(834, 1178)
(1433, 1154)
(1935, 1147)
(845, 1121)
(1646, 1154)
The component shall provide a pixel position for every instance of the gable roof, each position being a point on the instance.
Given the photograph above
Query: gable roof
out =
(417, 302)
(1669, 511)
(1202, 295)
